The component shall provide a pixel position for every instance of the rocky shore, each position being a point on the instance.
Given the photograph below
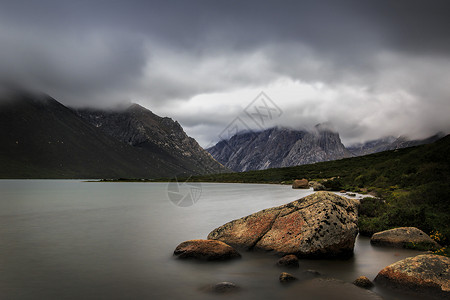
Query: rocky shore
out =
(322, 225)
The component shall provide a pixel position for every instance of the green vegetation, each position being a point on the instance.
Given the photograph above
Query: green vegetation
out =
(412, 186)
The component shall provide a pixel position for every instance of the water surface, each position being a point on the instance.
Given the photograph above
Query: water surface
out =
(67, 239)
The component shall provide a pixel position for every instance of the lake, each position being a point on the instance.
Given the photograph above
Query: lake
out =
(68, 239)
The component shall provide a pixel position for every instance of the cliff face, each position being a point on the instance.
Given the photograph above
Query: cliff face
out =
(139, 127)
(279, 147)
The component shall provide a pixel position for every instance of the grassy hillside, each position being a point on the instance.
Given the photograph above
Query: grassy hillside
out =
(413, 185)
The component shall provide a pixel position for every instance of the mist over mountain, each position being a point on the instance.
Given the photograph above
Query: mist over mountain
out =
(390, 143)
(282, 147)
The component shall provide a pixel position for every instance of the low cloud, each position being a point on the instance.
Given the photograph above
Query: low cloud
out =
(372, 69)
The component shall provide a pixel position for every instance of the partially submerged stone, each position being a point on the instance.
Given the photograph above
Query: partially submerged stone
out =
(206, 250)
(320, 225)
(363, 282)
(225, 287)
(427, 274)
(290, 261)
(404, 237)
(286, 277)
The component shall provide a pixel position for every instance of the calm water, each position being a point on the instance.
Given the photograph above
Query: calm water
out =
(66, 239)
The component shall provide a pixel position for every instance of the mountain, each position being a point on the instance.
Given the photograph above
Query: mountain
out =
(279, 147)
(41, 138)
(140, 128)
(390, 143)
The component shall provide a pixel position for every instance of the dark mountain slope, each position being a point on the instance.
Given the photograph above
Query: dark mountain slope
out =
(140, 128)
(41, 138)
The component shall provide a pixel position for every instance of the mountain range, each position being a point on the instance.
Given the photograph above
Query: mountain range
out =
(41, 138)
(279, 147)
(283, 147)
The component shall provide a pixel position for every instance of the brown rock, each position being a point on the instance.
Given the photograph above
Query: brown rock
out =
(402, 237)
(363, 282)
(320, 225)
(317, 186)
(206, 250)
(286, 277)
(300, 184)
(427, 273)
(290, 261)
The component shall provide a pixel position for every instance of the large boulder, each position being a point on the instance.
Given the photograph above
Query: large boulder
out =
(320, 225)
(403, 237)
(427, 274)
(206, 250)
(300, 184)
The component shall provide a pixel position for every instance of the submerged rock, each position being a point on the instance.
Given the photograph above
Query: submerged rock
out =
(286, 277)
(290, 261)
(329, 288)
(225, 287)
(363, 282)
(402, 237)
(319, 225)
(427, 273)
(206, 250)
(300, 184)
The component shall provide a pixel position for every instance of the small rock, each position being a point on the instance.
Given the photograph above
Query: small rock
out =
(289, 260)
(342, 191)
(225, 287)
(363, 282)
(206, 250)
(286, 277)
(300, 184)
(426, 273)
(402, 237)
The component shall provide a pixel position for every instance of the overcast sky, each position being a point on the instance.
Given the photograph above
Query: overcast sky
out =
(371, 68)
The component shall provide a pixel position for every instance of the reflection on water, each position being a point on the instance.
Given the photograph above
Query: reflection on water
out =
(73, 240)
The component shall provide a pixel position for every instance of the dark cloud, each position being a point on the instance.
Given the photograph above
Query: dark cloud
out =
(392, 55)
